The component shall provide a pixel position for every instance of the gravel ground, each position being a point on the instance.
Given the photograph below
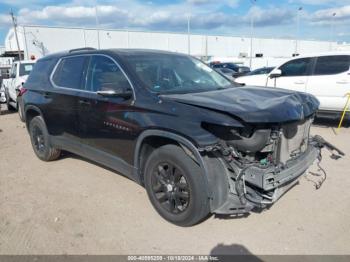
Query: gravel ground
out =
(72, 206)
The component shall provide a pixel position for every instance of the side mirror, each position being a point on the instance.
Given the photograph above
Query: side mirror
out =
(275, 73)
(126, 94)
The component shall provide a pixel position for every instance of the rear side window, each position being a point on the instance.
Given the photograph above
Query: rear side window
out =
(69, 72)
(331, 65)
(297, 67)
(39, 76)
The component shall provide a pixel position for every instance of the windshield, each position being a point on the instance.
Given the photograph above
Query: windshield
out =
(25, 69)
(163, 73)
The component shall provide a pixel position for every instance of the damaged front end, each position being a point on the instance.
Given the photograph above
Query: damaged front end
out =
(264, 162)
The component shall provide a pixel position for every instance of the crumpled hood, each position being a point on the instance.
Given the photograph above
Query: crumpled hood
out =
(254, 104)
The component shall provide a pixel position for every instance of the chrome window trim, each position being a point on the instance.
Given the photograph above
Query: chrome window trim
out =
(86, 91)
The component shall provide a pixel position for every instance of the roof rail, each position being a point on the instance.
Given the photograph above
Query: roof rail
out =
(82, 49)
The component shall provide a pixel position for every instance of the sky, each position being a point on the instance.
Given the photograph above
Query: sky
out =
(317, 19)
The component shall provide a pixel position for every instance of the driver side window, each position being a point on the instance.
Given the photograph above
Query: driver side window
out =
(105, 75)
(297, 67)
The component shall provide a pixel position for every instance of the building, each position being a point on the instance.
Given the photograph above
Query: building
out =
(2, 50)
(5, 63)
(37, 41)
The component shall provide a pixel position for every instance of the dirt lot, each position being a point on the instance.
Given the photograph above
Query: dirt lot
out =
(72, 206)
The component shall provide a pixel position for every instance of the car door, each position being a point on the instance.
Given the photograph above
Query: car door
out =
(252, 80)
(61, 101)
(330, 81)
(104, 124)
(294, 75)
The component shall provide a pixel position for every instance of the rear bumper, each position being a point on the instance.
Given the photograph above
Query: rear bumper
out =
(264, 186)
(331, 114)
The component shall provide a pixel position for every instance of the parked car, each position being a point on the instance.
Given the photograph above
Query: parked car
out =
(255, 77)
(238, 69)
(260, 71)
(226, 72)
(2, 89)
(2, 95)
(242, 70)
(4, 83)
(326, 76)
(18, 74)
(197, 144)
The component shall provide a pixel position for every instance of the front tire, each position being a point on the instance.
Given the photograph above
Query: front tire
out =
(40, 140)
(175, 186)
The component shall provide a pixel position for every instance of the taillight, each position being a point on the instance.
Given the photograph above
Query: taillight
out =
(22, 90)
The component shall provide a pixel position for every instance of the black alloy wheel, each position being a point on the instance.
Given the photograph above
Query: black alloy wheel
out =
(170, 188)
(38, 139)
(176, 186)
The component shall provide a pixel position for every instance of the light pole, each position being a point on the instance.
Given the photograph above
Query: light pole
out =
(97, 25)
(332, 31)
(298, 30)
(251, 34)
(189, 33)
(14, 22)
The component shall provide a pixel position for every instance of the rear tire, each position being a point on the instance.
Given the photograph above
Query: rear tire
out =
(9, 106)
(175, 186)
(40, 140)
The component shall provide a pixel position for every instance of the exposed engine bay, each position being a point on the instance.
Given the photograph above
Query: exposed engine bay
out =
(256, 143)
(264, 162)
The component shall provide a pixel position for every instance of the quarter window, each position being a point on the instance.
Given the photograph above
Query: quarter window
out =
(104, 75)
(331, 65)
(69, 72)
(39, 75)
(297, 67)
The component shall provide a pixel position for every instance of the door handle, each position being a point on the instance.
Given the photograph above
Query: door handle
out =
(47, 95)
(342, 82)
(299, 82)
(84, 102)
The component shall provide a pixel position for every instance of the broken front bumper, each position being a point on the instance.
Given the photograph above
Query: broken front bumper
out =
(260, 187)
(272, 177)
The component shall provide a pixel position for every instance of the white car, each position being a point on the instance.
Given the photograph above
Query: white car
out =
(2, 95)
(326, 76)
(255, 77)
(18, 75)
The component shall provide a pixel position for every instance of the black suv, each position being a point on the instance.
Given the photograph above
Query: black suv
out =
(197, 143)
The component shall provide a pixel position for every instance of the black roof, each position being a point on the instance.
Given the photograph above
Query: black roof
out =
(117, 51)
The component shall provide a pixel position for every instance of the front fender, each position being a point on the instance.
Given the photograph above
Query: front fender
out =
(214, 171)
